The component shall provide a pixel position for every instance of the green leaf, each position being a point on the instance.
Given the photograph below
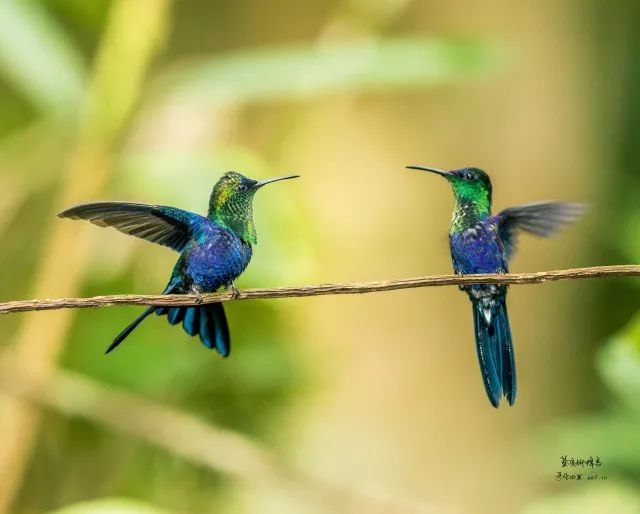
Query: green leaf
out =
(284, 73)
(111, 506)
(38, 59)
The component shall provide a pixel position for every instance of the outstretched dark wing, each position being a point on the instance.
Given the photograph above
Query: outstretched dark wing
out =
(541, 218)
(166, 226)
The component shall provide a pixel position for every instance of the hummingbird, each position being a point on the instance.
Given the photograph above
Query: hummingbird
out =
(484, 243)
(214, 250)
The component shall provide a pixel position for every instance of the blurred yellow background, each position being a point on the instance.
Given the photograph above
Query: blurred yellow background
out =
(347, 404)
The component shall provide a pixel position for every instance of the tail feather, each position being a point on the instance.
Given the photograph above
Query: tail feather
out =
(223, 338)
(495, 354)
(509, 369)
(175, 315)
(208, 321)
(214, 331)
(123, 335)
(207, 328)
(484, 346)
(191, 321)
(148, 311)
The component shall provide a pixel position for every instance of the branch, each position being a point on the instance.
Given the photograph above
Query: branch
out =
(323, 289)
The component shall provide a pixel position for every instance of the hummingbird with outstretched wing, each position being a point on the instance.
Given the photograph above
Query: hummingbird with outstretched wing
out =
(214, 250)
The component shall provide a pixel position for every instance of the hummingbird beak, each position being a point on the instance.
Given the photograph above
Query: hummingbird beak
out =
(442, 173)
(275, 179)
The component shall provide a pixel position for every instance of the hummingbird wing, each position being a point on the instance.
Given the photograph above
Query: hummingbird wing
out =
(166, 226)
(541, 218)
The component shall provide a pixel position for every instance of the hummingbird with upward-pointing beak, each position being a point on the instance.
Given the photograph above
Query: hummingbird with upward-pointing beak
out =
(214, 250)
(484, 243)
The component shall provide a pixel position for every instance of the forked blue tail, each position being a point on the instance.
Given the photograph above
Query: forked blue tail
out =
(495, 353)
(208, 321)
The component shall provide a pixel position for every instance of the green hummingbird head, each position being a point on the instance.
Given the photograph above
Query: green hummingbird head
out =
(471, 186)
(231, 203)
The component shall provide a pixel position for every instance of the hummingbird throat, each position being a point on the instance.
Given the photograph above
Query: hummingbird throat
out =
(468, 212)
(473, 203)
(236, 214)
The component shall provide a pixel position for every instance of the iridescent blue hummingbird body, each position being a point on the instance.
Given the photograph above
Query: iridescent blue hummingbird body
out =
(214, 250)
(484, 243)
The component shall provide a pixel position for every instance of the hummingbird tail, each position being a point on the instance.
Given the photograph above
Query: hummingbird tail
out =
(495, 352)
(148, 311)
(208, 321)
(123, 335)
(214, 330)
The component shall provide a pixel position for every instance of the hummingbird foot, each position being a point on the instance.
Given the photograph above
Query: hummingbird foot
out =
(235, 292)
(195, 290)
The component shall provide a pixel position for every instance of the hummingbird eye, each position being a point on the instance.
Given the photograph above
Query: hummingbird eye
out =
(469, 176)
(242, 187)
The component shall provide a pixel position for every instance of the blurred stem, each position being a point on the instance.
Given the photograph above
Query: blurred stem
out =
(132, 36)
(40, 59)
(186, 436)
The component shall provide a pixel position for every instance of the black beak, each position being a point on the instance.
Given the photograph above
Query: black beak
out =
(275, 179)
(442, 173)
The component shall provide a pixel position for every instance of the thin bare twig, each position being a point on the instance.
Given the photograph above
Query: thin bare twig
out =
(323, 289)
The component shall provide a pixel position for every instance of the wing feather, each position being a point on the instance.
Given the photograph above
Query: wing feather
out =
(541, 218)
(166, 226)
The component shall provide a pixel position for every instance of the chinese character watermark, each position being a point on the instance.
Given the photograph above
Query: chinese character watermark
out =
(581, 469)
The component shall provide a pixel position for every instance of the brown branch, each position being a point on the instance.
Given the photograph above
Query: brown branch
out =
(324, 289)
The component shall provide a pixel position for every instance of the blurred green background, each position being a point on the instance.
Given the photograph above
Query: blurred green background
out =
(337, 403)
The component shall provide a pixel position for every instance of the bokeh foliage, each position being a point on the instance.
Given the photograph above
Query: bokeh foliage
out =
(612, 431)
(46, 52)
(224, 68)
